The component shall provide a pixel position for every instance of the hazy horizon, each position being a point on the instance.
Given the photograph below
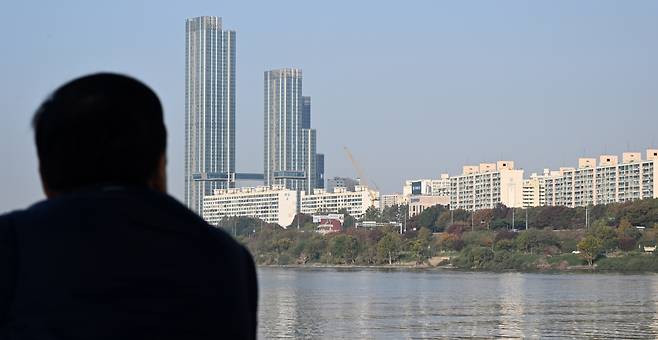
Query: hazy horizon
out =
(414, 90)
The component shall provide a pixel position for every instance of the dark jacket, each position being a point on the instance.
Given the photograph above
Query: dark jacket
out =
(122, 263)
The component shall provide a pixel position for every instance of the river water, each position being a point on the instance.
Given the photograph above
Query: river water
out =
(403, 304)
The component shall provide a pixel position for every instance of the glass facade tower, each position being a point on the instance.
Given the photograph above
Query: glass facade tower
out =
(288, 144)
(209, 108)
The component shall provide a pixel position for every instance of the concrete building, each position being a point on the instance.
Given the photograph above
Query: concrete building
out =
(421, 202)
(342, 182)
(289, 152)
(534, 190)
(271, 204)
(441, 186)
(487, 185)
(427, 187)
(209, 107)
(417, 187)
(608, 182)
(354, 202)
(390, 200)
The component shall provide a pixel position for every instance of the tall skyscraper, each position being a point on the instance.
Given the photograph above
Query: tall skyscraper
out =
(306, 112)
(319, 171)
(287, 143)
(309, 159)
(209, 107)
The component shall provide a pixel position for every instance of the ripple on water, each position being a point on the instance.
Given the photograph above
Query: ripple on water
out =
(328, 303)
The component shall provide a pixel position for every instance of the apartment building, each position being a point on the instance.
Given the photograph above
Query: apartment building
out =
(275, 204)
(534, 190)
(355, 202)
(487, 185)
(609, 181)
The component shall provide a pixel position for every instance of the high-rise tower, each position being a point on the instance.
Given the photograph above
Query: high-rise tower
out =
(289, 155)
(209, 107)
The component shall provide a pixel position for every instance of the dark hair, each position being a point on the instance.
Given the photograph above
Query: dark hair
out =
(99, 129)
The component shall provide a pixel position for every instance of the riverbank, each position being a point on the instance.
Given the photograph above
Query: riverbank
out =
(622, 248)
(631, 264)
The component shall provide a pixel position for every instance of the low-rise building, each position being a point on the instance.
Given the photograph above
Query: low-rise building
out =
(419, 203)
(487, 185)
(328, 227)
(274, 204)
(375, 224)
(338, 217)
(354, 202)
(608, 182)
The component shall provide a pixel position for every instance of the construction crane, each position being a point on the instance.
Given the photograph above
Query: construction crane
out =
(364, 181)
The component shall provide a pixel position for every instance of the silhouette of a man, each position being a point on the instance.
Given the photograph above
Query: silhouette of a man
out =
(109, 255)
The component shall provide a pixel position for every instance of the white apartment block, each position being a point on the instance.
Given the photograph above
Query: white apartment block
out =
(274, 204)
(534, 190)
(487, 185)
(610, 181)
(441, 186)
(355, 202)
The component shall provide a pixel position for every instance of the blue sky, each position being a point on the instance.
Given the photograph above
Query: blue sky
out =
(413, 88)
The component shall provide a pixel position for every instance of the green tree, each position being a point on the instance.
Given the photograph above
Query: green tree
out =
(504, 244)
(424, 234)
(314, 247)
(590, 247)
(372, 214)
(481, 255)
(343, 248)
(388, 247)
(420, 246)
(482, 238)
(429, 216)
(390, 214)
(349, 220)
(533, 239)
(419, 249)
(624, 226)
(607, 235)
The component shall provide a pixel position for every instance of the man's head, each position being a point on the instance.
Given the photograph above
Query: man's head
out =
(101, 129)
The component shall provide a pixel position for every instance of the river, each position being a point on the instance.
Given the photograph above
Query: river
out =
(403, 304)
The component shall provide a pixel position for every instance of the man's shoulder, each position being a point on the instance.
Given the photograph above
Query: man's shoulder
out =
(154, 208)
(178, 211)
(7, 220)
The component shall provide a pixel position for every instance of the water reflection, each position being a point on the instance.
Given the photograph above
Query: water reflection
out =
(511, 287)
(330, 303)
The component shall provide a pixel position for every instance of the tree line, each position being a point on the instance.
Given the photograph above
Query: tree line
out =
(484, 240)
